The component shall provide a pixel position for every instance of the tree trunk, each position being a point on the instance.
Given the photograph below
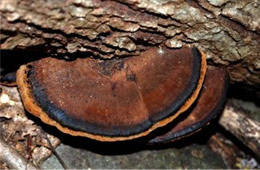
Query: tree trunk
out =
(228, 31)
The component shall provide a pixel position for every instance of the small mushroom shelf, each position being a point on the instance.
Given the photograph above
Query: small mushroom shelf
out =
(127, 98)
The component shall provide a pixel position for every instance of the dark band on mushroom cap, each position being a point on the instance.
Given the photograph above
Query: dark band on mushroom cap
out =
(209, 104)
(113, 99)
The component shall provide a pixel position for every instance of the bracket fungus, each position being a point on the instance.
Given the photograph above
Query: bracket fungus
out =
(113, 100)
(209, 103)
(127, 98)
(8, 79)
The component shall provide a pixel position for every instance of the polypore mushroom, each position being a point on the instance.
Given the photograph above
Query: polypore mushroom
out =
(8, 79)
(209, 103)
(113, 100)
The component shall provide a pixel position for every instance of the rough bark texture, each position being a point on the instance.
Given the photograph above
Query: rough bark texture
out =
(241, 126)
(227, 30)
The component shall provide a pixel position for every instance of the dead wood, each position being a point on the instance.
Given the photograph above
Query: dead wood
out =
(242, 127)
(20, 132)
(12, 158)
(227, 30)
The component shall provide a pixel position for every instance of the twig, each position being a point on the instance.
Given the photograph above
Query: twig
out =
(63, 164)
(12, 158)
(241, 126)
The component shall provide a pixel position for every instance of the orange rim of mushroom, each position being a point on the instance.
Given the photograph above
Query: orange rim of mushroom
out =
(31, 104)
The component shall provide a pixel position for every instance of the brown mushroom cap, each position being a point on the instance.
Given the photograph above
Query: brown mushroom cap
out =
(113, 100)
(208, 105)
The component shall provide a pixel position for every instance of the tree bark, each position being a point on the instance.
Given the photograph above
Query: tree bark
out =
(242, 127)
(228, 31)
